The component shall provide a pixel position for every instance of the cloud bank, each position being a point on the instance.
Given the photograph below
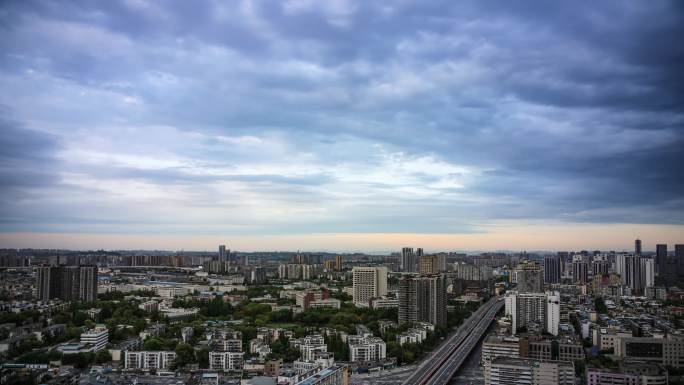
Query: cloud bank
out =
(302, 117)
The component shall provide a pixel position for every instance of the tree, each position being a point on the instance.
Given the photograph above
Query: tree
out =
(103, 356)
(153, 344)
(281, 349)
(600, 305)
(203, 358)
(280, 316)
(79, 360)
(79, 318)
(185, 354)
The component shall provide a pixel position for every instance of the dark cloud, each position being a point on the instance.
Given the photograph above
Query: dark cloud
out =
(559, 112)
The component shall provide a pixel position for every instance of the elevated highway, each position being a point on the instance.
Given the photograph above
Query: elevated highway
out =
(441, 365)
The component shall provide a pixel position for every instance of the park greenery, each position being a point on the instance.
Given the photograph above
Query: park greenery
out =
(121, 314)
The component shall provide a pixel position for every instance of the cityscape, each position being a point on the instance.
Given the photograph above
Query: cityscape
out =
(341, 192)
(411, 317)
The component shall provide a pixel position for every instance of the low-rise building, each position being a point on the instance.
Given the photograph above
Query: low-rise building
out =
(334, 375)
(506, 370)
(667, 351)
(226, 361)
(628, 373)
(149, 360)
(367, 349)
(98, 337)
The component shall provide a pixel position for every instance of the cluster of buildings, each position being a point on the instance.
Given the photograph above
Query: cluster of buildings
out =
(630, 273)
(602, 309)
(68, 283)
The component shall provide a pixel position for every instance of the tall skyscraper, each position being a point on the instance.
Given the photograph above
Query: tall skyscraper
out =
(222, 253)
(552, 269)
(633, 274)
(661, 258)
(647, 273)
(369, 283)
(428, 264)
(679, 259)
(69, 283)
(637, 246)
(423, 298)
(580, 269)
(408, 259)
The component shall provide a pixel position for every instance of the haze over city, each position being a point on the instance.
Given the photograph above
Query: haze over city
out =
(341, 125)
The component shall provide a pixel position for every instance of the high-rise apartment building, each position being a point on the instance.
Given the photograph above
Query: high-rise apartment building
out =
(553, 302)
(369, 283)
(338, 262)
(69, 283)
(222, 253)
(552, 269)
(408, 299)
(530, 277)
(533, 311)
(442, 258)
(580, 269)
(428, 264)
(621, 266)
(87, 287)
(647, 273)
(661, 258)
(637, 246)
(600, 265)
(423, 298)
(408, 260)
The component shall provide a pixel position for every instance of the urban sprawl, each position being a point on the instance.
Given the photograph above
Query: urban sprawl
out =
(304, 318)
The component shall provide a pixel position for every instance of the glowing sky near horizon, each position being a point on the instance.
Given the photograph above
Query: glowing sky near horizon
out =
(341, 125)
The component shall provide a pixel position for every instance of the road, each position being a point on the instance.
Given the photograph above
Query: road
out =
(439, 367)
(471, 372)
(383, 377)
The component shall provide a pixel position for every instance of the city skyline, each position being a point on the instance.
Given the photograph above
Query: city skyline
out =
(341, 126)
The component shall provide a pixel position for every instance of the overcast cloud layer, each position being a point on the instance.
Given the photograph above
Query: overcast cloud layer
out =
(296, 117)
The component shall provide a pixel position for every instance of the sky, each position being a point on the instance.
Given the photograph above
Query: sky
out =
(341, 125)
